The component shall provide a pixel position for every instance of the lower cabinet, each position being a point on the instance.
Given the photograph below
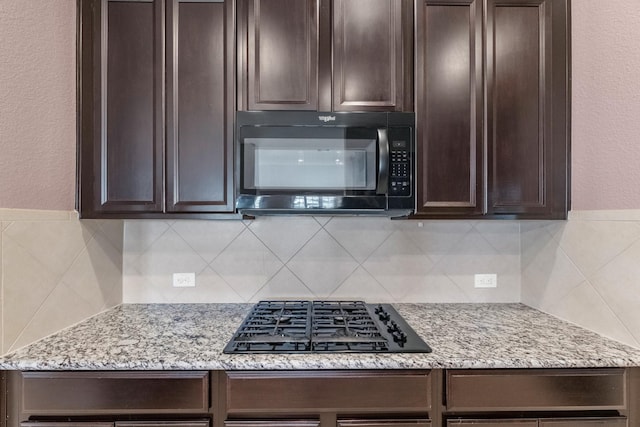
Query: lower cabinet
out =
(323, 398)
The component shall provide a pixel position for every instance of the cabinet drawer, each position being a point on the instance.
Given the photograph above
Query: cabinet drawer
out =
(585, 422)
(493, 423)
(545, 389)
(559, 422)
(316, 391)
(78, 393)
(385, 423)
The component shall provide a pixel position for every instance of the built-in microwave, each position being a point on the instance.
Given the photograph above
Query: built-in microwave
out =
(325, 163)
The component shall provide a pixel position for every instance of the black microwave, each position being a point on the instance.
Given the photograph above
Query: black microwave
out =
(325, 163)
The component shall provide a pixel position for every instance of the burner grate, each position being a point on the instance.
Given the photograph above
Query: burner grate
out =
(321, 326)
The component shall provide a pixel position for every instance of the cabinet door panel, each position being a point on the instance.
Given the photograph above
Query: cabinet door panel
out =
(449, 107)
(527, 146)
(129, 157)
(280, 54)
(199, 135)
(368, 54)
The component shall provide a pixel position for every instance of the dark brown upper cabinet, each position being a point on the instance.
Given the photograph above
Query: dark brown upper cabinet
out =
(325, 55)
(492, 108)
(156, 80)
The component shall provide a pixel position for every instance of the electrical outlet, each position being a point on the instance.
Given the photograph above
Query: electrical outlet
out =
(486, 280)
(184, 280)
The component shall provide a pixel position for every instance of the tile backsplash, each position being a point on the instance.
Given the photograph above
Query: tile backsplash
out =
(587, 271)
(55, 271)
(369, 258)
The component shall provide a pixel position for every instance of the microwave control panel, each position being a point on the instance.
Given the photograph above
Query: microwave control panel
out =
(399, 168)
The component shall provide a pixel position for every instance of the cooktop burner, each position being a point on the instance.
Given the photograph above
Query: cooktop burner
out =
(324, 326)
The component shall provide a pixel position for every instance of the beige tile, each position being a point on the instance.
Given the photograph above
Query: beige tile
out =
(584, 306)
(534, 238)
(504, 236)
(96, 273)
(360, 236)
(322, 220)
(397, 264)
(619, 284)
(136, 289)
(62, 308)
(168, 254)
(322, 264)
(284, 286)
(208, 238)
(592, 244)
(606, 215)
(139, 235)
(284, 236)
(4, 225)
(549, 277)
(436, 239)
(435, 287)
(471, 255)
(55, 244)
(362, 286)
(1, 295)
(246, 265)
(210, 288)
(27, 284)
(113, 230)
(34, 215)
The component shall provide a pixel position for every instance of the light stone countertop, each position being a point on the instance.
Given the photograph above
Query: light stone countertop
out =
(192, 336)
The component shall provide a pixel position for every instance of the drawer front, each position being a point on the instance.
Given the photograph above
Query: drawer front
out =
(493, 423)
(545, 389)
(585, 422)
(78, 393)
(314, 391)
(385, 423)
(559, 422)
(272, 423)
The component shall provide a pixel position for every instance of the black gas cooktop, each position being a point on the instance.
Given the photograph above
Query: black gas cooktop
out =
(324, 326)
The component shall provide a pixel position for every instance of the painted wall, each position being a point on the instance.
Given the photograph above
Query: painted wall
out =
(606, 104)
(37, 104)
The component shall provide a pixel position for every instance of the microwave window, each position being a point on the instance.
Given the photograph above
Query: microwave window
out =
(309, 163)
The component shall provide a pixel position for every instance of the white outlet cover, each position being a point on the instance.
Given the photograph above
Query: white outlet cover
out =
(486, 281)
(184, 280)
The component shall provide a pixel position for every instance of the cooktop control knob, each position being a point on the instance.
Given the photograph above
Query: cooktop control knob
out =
(400, 337)
(384, 316)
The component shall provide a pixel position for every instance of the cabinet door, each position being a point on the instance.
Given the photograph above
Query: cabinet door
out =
(122, 103)
(527, 120)
(278, 54)
(372, 65)
(449, 106)
(199, 106)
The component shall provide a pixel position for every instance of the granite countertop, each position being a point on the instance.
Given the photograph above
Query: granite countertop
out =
(192, 336)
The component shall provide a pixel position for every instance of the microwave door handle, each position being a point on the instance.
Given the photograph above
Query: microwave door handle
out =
(383, 162)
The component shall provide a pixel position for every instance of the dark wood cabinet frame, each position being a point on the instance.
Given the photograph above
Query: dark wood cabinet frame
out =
(156, 151)
(468, 164)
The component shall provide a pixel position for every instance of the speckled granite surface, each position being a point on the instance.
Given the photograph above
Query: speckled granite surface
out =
(192, 336)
